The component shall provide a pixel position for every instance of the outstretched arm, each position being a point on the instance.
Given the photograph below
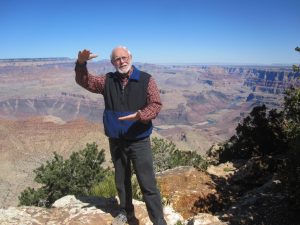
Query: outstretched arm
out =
(84, 56)
(83, 78)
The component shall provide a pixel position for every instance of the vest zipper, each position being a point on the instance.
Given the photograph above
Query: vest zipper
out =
(123, 88)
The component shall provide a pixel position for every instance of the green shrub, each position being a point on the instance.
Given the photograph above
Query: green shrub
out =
(106, 188)
(59, 177)
(166, 156)
(261, 133)
(30, 196)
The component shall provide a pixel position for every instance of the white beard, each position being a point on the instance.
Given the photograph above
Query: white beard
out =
(125, 69)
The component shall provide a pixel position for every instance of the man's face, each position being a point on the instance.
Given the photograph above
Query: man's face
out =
(121, 60)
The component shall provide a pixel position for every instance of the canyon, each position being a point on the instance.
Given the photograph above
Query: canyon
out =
(200, 101)
(43, 110)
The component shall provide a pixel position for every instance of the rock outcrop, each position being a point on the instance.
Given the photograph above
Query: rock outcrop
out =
(70, 210)
(185, 188)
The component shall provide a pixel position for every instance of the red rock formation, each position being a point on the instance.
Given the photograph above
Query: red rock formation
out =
(185, 186)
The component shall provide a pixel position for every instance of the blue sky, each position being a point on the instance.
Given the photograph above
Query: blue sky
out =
(157, 31)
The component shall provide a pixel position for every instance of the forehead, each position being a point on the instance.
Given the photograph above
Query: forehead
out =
(120, 52)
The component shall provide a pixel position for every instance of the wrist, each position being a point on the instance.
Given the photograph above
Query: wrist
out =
(138, 114)
(80, 63)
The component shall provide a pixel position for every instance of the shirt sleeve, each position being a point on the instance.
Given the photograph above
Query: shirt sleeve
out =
(154, 104)
(88, 81)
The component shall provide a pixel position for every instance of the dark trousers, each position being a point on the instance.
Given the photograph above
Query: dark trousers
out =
(139, 152)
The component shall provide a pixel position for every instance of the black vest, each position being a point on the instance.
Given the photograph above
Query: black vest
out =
(121, 101)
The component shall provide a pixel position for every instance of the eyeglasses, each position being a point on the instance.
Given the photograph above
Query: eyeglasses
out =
(121, 59)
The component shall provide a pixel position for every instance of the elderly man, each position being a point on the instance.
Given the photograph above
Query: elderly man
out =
(131, 101)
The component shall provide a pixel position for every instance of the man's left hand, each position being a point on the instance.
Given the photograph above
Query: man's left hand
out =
(133, 116)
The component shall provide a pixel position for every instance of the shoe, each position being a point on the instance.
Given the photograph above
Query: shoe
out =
(120, 219)
(133, 221)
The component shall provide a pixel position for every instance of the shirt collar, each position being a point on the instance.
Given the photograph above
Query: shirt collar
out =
(135, 75)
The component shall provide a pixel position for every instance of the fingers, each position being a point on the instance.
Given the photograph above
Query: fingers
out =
(92, 56)
(125, 118)
(129, 117)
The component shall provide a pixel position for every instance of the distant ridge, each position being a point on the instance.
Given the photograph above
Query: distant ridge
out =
(35, 59)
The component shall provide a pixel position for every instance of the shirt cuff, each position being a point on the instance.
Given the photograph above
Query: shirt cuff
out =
(80, 64)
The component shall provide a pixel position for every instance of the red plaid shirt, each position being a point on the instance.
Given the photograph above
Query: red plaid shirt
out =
(95, 84)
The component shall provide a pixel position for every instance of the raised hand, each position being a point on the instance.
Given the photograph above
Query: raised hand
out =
(85, 55)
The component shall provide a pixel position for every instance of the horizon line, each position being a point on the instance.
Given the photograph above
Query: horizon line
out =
(157, 63)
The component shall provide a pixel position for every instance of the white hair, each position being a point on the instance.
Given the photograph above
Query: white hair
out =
(122, 47)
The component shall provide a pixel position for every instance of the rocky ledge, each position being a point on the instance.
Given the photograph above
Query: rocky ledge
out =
(71, 210)
(181, 188)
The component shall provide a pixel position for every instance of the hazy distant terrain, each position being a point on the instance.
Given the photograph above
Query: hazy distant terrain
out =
(201, 104)
(43, 110)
